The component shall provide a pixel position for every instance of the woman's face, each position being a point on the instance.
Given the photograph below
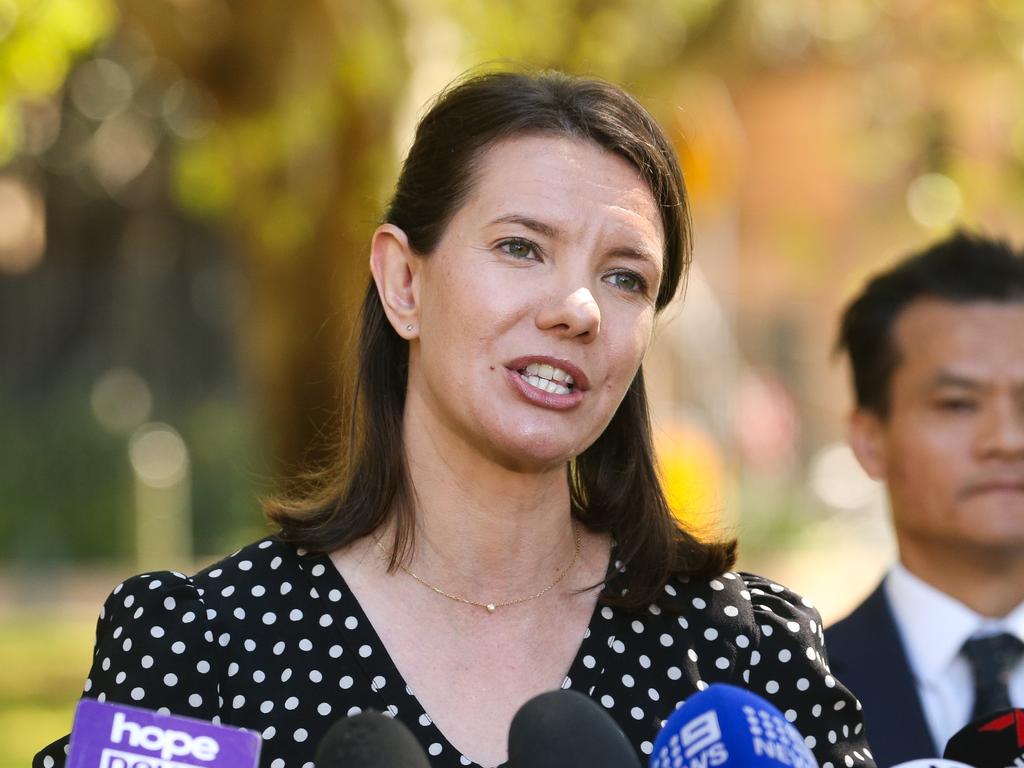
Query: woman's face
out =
(537, 306)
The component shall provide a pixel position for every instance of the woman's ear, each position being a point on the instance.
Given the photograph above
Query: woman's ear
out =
(395, 268)
(866, 434)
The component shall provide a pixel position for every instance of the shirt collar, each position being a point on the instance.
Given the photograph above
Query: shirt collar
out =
(934, 626)
(1013, 623)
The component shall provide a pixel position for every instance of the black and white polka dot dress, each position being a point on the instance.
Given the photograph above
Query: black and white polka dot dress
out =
(271, 639)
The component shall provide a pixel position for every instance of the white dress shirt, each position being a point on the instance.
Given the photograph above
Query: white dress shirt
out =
(934, 627)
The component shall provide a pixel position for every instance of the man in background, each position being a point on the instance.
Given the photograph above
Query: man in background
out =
(936, 346)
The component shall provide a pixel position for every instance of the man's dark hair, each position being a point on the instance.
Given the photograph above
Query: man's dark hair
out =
(963, 268)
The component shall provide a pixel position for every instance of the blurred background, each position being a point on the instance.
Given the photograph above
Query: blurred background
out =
(187, 189)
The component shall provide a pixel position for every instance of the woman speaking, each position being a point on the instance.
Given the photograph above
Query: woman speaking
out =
(496, 528)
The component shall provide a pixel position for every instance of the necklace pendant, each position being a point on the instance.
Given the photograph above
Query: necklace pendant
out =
(490, 607)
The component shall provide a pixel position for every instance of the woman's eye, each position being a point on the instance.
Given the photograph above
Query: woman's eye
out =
(518, 249)
(628, 281)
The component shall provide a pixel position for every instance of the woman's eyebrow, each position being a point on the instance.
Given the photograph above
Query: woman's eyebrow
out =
(527, 221)
(636, 253)
(548, 230)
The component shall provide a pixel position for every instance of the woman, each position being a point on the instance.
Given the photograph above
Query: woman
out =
(499, 529)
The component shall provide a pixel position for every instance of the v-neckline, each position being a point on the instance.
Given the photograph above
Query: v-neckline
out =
(371, 655)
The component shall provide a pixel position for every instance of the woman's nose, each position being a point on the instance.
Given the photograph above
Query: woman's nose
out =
(574, 316)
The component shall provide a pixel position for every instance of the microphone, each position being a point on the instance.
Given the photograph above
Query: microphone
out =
(727, 727)
(995, 740)
(932, 762)
(369, 740)
(565, 729)
(109, 734)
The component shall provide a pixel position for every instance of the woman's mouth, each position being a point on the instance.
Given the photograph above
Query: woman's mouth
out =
(547, 381)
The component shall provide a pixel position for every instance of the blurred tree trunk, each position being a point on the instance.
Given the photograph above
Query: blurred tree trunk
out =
(304, 94)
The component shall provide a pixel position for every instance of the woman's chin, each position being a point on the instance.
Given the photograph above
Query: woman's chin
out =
(536, 454)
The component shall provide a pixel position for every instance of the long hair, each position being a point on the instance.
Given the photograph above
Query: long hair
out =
(614, 483)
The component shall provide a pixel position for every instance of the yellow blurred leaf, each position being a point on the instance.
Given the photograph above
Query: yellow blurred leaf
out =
(202, 179)
(693, 475)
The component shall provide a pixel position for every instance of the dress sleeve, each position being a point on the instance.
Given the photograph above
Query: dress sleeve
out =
(788, 666)
(155, 649)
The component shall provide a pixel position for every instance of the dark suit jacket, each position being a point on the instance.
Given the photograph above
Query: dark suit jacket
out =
(866, 653)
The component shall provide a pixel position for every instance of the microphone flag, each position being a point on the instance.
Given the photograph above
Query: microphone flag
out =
(107, 735)
(995, 740)
(727, 727)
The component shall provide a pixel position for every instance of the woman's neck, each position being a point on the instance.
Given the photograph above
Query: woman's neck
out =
(481, 528)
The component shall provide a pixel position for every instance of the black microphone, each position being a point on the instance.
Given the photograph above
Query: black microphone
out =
(565, 729)
(993, 741)
(369, 740)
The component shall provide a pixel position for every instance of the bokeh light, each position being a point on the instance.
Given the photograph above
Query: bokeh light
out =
(121, 400)
(934, 200)
(121, 150)
(837, 478)
(158, 456)
(22, 226)
(101, 88)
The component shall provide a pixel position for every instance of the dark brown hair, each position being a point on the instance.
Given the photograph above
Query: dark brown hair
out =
(960, 269)
(614, 483)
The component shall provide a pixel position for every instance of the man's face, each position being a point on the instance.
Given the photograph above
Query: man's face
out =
(951, 449)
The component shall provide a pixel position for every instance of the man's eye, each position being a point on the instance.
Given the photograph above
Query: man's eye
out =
(518, 249)
(956, 404)
(628, 281)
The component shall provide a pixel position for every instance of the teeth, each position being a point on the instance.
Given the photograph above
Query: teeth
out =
(549, 372)
(547, 385)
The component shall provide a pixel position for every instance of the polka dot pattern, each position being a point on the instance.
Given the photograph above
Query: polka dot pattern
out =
(271, 639)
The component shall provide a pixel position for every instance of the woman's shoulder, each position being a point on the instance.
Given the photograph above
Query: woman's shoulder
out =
(734, 595)
(267, 558)
(146, 601)
(752, 614)
(165, 626)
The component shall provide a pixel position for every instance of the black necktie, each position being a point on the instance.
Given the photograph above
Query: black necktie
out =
(992, 659)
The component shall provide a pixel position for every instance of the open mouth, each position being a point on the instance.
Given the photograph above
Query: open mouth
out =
(547, 378)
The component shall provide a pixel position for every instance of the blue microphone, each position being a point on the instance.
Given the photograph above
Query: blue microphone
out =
(727, 727)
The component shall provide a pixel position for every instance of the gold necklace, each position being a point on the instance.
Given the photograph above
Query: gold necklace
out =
(492, 607)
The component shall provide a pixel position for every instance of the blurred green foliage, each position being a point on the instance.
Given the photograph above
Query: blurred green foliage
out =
(45, 661)
(39, 41)
(65, 485)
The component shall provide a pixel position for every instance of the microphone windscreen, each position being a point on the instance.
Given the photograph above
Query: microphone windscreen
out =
(369, 740)
(565, 729)
(727, 727)
(995, 740)
(932, 762)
